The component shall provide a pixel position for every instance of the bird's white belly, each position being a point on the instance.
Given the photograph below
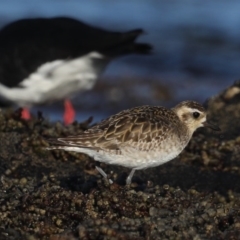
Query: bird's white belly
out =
(144, 159)
(57, 80)
(132, 158)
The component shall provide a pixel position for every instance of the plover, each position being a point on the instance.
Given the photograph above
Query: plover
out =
(47, 59)
(140, 137)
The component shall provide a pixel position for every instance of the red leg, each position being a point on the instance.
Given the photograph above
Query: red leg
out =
(25, 114)
(69, 112)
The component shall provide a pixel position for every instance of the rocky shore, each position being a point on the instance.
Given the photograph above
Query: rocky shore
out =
(59, 195)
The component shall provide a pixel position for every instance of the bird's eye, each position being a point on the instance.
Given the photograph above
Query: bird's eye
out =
(196, 114)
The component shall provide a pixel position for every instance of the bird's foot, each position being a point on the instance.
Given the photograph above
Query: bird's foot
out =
(25, 114)
(69, 112)
(104, 174)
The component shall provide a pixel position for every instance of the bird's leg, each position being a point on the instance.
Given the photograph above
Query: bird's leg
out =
(129, 178)
(69, 112)
(25, 114)
(103, 174)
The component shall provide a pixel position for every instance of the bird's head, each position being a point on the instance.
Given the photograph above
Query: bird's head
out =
(193, 115)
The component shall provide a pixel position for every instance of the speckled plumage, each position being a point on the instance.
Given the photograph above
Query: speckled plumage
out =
(138, 138)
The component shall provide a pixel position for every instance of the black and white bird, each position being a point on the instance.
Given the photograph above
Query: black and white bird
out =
(43, 60)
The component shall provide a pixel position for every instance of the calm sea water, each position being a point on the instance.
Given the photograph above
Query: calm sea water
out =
(196, 49)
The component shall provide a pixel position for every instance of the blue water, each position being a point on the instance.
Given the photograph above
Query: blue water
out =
(196, 48)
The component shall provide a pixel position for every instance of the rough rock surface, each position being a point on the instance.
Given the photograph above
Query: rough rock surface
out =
(59, 195)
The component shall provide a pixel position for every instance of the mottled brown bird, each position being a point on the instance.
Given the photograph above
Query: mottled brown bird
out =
(140, 137)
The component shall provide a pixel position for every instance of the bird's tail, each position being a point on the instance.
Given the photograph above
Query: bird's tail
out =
(127, 44)
(4, 98)
(54, 143)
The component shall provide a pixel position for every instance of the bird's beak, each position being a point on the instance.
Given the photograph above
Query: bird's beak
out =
(212, 126)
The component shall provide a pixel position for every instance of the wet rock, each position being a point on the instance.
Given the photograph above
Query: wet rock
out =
(58, 195)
